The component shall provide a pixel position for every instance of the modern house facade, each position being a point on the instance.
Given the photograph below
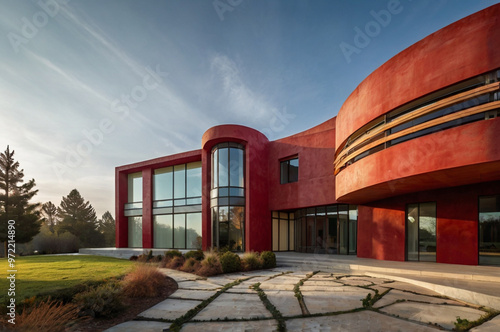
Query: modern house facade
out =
(409, 169)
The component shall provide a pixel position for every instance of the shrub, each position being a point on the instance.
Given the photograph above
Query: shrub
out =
(173, 253)
(190, 265)
(142, 258)
(175, 263)
(46, 316)
(210, 265)
(133, 258)
(230, 262)
(268, 259)
(104, 300)
(150, 255)
(143, 281)
(164, 262)
(158, 258)
(196, 254)
(251, 261)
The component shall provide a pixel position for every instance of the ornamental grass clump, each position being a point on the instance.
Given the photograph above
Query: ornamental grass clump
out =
(143, 281)
(49, 315)
(251, 261)
(210, 265)
(191, 265)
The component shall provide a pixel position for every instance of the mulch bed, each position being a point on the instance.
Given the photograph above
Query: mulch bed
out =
(134, 306)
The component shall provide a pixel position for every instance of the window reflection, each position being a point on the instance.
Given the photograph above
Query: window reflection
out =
(228, 211)
(489, 230)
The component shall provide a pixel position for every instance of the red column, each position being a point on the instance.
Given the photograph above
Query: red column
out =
(206, 214)
(121, 197)
(147, 208)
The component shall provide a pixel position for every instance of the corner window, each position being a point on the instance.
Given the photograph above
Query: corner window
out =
(289, 170)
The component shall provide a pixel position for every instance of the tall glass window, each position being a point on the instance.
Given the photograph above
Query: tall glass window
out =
(228, 196)
(328, 229)
(489, 230)
(135, 232)
(133, 207)
(177, 206)
(421, 232)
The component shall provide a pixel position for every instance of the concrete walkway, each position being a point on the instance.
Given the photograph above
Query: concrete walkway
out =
(298, 298)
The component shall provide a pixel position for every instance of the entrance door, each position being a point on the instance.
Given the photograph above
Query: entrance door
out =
(421, 232)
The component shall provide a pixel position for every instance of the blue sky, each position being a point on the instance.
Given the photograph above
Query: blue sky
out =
(86, 86)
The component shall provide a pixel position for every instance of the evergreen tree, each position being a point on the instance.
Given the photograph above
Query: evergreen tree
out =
(107, 229)
(14, 201)
(49, 211)
(78, 218)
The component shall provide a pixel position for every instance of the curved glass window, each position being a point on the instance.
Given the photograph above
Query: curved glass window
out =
(472, 100)
(228, 196)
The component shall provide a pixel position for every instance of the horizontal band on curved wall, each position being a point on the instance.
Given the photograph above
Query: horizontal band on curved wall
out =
(341, 160)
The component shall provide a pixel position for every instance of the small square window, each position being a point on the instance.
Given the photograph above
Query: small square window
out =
(289, 170)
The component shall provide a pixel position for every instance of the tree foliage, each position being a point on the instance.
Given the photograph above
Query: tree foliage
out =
(106, 226)
(49, 211)
(78, 217)
(15, 196)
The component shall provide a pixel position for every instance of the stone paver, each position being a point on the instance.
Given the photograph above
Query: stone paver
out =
(444, 315)
(284, 282)
(192, 294)
(405, 307)
(365, 321)
(353, 281)
(198, 284)
(397, 295)
(285, 302)
(234, 306)
(408, 287)
(248, 326)
(490, 326)
(336, 299)
(169, 309)
(143, 326)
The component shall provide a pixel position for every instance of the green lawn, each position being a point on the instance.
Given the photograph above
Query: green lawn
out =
(45, 274)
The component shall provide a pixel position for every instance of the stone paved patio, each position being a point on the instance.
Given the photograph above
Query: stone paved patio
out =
(335, 300)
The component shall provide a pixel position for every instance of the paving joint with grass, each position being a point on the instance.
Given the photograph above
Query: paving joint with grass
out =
(177, 323)
(269, 306)
(298, 293)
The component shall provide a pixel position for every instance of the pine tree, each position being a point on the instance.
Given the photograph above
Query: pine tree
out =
(14, 201)
(49, 211)
(78, 218)
(107, 229)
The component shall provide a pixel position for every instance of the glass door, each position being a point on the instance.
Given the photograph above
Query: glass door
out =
(421, 232)
(489, 230)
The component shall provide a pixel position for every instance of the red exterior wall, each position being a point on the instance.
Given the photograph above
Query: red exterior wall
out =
(452, 167)
(381, 224)
(464, 49)
(316, 185)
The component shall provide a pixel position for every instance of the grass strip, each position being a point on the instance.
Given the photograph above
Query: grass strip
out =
(298, 293)
(270, 307)
(177, 323)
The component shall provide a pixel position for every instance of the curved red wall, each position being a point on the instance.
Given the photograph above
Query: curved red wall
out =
(257, 214)
(462, 155)
(459, 51)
